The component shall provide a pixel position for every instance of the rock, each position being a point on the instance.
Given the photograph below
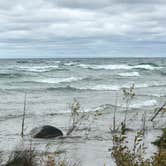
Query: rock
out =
(46, 132)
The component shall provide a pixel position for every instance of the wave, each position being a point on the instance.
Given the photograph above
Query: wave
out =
(138, 105)
(40, 68)
(146, 67)
(119, 67)
(30, 61)
(103, 87)
(96, 88)
(146, 85)
(129, 74)
(22, 61)
(151, 64)
(106, 67)
(62, 88)
(59, 80)
(144, 104)
(152, 95)
(70, 63)
(10, 75)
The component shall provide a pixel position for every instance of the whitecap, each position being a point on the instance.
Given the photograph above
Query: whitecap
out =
(129, 74)
(38, 68)
(106, 67)
(116, 87)
(117, 67)
(143, 85)
(100, 87)
(146, 67)
(105, 87)
(70, 63)
(59, 80)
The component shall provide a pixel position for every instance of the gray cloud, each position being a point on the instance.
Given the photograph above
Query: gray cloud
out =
(50, 24)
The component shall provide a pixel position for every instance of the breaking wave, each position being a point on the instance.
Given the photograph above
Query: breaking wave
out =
(119, 67)
(70, 63)
(102, 87)
(39, 68)
(129, 74)
(59, 80)
(146, 67)
(151, 64)
(106, 67)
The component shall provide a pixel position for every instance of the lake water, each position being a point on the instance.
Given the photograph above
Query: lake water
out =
(51, 85)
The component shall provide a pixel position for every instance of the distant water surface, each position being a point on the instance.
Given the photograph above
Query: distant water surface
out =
(87, 79)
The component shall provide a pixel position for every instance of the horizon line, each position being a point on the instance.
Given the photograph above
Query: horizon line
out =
(1, 58)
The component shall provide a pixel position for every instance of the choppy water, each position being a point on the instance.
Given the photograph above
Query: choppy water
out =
(86, 78)
(51, 84)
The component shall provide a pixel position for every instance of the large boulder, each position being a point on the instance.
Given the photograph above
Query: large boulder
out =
(46, 132)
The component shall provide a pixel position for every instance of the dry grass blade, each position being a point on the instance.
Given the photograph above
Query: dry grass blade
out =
(23, 117)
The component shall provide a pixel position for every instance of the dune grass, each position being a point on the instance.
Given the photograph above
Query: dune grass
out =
(135, 156)
(30, 157)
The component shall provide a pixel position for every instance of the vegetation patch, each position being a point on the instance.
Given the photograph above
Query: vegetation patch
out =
(161, 142)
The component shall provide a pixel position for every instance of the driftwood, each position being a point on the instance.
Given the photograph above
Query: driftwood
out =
(158, 111)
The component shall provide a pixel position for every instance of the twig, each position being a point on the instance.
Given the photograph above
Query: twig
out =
(157, 112)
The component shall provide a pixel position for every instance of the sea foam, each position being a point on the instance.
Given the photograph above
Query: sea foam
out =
(106, 87)
(59, 80)
(106, 67)
(118, 67)
(129, 74)
(38, 68)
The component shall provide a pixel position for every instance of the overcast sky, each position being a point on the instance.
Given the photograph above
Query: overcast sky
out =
(82, 28)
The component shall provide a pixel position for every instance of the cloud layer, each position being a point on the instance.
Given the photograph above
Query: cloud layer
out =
(79, 27)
